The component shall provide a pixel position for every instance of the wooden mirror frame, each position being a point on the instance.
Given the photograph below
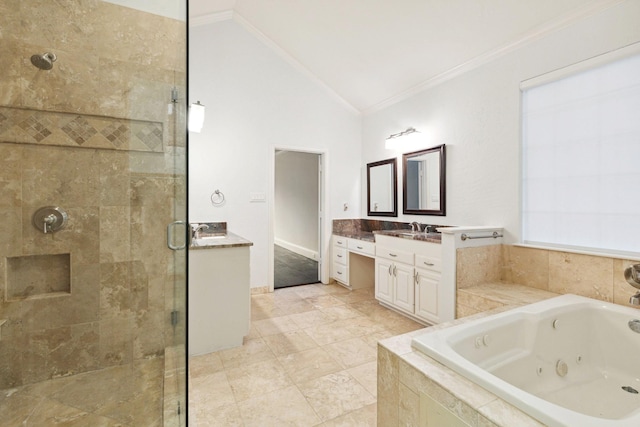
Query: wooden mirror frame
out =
(394, 171)
(440, 149)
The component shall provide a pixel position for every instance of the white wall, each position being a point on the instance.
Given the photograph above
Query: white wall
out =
(296, 202)
(255, 102)
(478, 116)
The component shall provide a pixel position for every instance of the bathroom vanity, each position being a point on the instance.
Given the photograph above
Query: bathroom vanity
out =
(404, 267)
(219, 291)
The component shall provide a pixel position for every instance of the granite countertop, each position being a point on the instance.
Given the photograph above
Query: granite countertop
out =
(216, 241)
(367, 236)
(412, 235)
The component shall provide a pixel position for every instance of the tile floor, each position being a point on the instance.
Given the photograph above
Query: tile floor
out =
(120, 396)
(291, 269)
(309, 360)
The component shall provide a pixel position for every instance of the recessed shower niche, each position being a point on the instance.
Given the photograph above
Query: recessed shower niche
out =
(38, 276)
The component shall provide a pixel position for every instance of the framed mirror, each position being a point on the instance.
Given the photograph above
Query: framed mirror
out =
(424, 184)
(382, 188)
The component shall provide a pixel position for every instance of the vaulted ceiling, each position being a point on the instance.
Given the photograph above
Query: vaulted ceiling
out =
(372, 53)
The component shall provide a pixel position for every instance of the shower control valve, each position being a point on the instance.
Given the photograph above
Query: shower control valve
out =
(50, 219)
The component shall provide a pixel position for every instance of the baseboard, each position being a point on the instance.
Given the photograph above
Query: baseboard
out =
(260, 290)
(297, 249)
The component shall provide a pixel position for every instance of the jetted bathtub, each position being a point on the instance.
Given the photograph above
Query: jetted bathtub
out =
(566, 361)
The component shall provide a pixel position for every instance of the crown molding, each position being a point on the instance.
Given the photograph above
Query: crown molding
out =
(289, 59)
(538, 33)
(211, 18)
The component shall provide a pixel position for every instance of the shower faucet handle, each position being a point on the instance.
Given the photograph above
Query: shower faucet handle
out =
(50, 219)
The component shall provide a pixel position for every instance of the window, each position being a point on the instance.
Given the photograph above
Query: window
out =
(581, 158)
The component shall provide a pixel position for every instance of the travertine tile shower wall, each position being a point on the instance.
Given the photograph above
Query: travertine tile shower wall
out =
(561, 272)
(93, 136)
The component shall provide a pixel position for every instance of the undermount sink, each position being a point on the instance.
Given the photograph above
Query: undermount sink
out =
(212, 236)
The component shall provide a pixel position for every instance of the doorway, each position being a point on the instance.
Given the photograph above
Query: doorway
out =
(297, 212)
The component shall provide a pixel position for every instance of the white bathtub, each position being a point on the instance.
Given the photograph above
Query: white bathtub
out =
(521, 355)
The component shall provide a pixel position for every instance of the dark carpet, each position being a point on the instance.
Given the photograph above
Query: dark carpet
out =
(291, 269)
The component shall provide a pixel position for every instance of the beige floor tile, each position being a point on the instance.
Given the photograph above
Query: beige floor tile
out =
(250, 352)
(341, 312)
(227, 416)
(363, 417)
(286, 407)
(366, 375)
(275, 325)
(290, 342)
(329, 333)
(293, 307)
(356, 296)
(350, 353)
(360, 325)
(206, 364)
(335, 394)
(211, 391)
(323, 301)
(309, 291)
(257, 379)
(335, 288)
(310, 359)
(311, 318)
(309, 364)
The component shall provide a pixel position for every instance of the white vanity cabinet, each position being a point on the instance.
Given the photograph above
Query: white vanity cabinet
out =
(339, 264)
(352, 262)
(408, 277)
(394, 277)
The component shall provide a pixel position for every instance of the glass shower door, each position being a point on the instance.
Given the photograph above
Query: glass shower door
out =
(92, 124)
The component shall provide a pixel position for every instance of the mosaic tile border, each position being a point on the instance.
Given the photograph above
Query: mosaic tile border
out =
(27, 126)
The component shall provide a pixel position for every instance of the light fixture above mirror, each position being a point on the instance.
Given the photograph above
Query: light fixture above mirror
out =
(395, 141)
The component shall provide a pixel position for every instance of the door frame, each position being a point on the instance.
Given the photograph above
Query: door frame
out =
(323, 220)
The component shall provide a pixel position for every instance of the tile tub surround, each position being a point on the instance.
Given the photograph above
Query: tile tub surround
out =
(556, 271)
(310, 360)
(403, 374)
(93, 136)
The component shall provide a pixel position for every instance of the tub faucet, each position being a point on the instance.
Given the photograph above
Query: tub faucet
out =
(632, 275)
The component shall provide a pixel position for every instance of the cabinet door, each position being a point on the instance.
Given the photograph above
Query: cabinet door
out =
(403, 295)
(427, 284)
(384, 280)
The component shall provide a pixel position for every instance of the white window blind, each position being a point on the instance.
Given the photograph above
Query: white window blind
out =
(581, 159)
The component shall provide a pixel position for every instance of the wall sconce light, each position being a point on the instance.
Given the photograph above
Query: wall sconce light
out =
(196, 117)
(393, 141)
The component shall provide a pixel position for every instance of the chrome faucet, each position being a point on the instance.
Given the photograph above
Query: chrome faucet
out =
(415, 226)
(198, 229)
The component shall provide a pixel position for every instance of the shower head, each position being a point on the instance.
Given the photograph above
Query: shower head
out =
(44, 61)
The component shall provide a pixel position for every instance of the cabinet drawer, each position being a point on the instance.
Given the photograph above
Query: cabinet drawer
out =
(341, 273)
(340, 241)
(340, 255)
(429, 263)
(367, 248)
(395, 255)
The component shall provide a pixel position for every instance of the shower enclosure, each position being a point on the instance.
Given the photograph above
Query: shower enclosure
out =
(92, 129)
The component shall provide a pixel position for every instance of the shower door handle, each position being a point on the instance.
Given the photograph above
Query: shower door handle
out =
(170, 244)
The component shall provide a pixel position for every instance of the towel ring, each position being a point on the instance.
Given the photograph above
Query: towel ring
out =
(217, 198)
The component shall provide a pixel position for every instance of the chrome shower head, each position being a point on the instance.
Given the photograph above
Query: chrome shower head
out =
(44, 61)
